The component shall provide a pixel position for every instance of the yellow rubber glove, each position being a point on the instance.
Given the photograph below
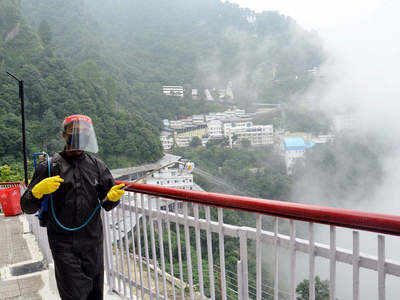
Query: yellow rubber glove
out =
(47, 186)
(115, 193)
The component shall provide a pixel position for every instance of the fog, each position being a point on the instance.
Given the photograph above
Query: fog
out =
(361, 74)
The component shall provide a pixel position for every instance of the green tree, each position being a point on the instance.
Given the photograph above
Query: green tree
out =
(245, 143)
(321, 289)
(195, 142)
(44, 32)
(10, 173)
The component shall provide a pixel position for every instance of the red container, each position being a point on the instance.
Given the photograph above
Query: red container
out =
(10, 201)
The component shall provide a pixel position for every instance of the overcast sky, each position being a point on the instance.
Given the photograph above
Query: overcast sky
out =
(316, 14)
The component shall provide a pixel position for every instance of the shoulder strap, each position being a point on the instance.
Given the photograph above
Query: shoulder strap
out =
(54, 164)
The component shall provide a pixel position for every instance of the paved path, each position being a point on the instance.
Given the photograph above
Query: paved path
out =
(14, 249)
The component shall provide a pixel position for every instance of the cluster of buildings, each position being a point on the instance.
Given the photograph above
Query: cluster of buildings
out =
(234, 124)
(208, 94)
(169, 171)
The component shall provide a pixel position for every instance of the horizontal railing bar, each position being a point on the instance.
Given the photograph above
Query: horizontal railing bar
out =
(12, 182)
(321, 250)
(375, 222)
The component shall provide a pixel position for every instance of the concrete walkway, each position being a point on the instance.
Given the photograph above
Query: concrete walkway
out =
(18, 247)
(14, 250)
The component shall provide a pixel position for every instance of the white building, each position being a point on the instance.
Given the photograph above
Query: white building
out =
(324, 138)
(183, 141)
(172, 177)
(209, 97)
(294, 149)
(198, 119)
(234, 126)
(215, 129)
(257, 135)
(195, 94)
(173, 90)
(167, 140)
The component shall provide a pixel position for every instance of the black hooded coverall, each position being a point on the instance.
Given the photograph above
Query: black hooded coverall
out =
(78, 255)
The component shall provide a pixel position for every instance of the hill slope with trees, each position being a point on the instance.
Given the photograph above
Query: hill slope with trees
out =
(55, 89)
(110, 59)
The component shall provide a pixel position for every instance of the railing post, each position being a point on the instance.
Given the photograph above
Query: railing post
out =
(188, 252)
(135, 268)
(381, 267)
(161, 241)
(178, 237)
(292, 260)
(259, 257)
(128, 256)
(312, 262)
(356, 265)
(276, 260)
(243, 259)
(153, 245)
(222, 253)
(146, 243)
(121, 248)
(106, 249)
(332, 261)
(198, 250)
(171, 261)
(210, 253)
(139, 243)
(240, 280)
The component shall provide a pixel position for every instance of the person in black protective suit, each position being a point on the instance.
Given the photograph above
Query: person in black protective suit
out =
(78, 183)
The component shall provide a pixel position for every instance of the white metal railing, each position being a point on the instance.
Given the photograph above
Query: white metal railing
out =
(145, 260)
(166, 249)
(41, 236)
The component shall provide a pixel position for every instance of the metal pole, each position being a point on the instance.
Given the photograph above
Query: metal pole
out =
(21, 96)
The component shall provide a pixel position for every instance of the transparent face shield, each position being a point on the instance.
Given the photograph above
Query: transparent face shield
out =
(80, 136)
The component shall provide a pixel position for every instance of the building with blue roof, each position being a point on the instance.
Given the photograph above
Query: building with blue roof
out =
(294, 149)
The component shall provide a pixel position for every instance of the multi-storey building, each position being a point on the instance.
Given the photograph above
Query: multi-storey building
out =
(215, 129)
(198, 119)
(257, 134)
(191, 131)
(172, 177)
(167, 140)
(293, 149)
(234, 126)
(173, 90)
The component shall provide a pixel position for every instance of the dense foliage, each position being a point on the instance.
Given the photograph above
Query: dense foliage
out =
(110, 61)
(321, 289)
(196, 44)
(55, 89)
(253, 172)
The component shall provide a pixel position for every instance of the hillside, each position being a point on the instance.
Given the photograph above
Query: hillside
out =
(197, 43)
(109, 59)
(55, 89)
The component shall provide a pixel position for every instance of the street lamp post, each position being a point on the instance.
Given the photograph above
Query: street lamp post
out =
(21, 96)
